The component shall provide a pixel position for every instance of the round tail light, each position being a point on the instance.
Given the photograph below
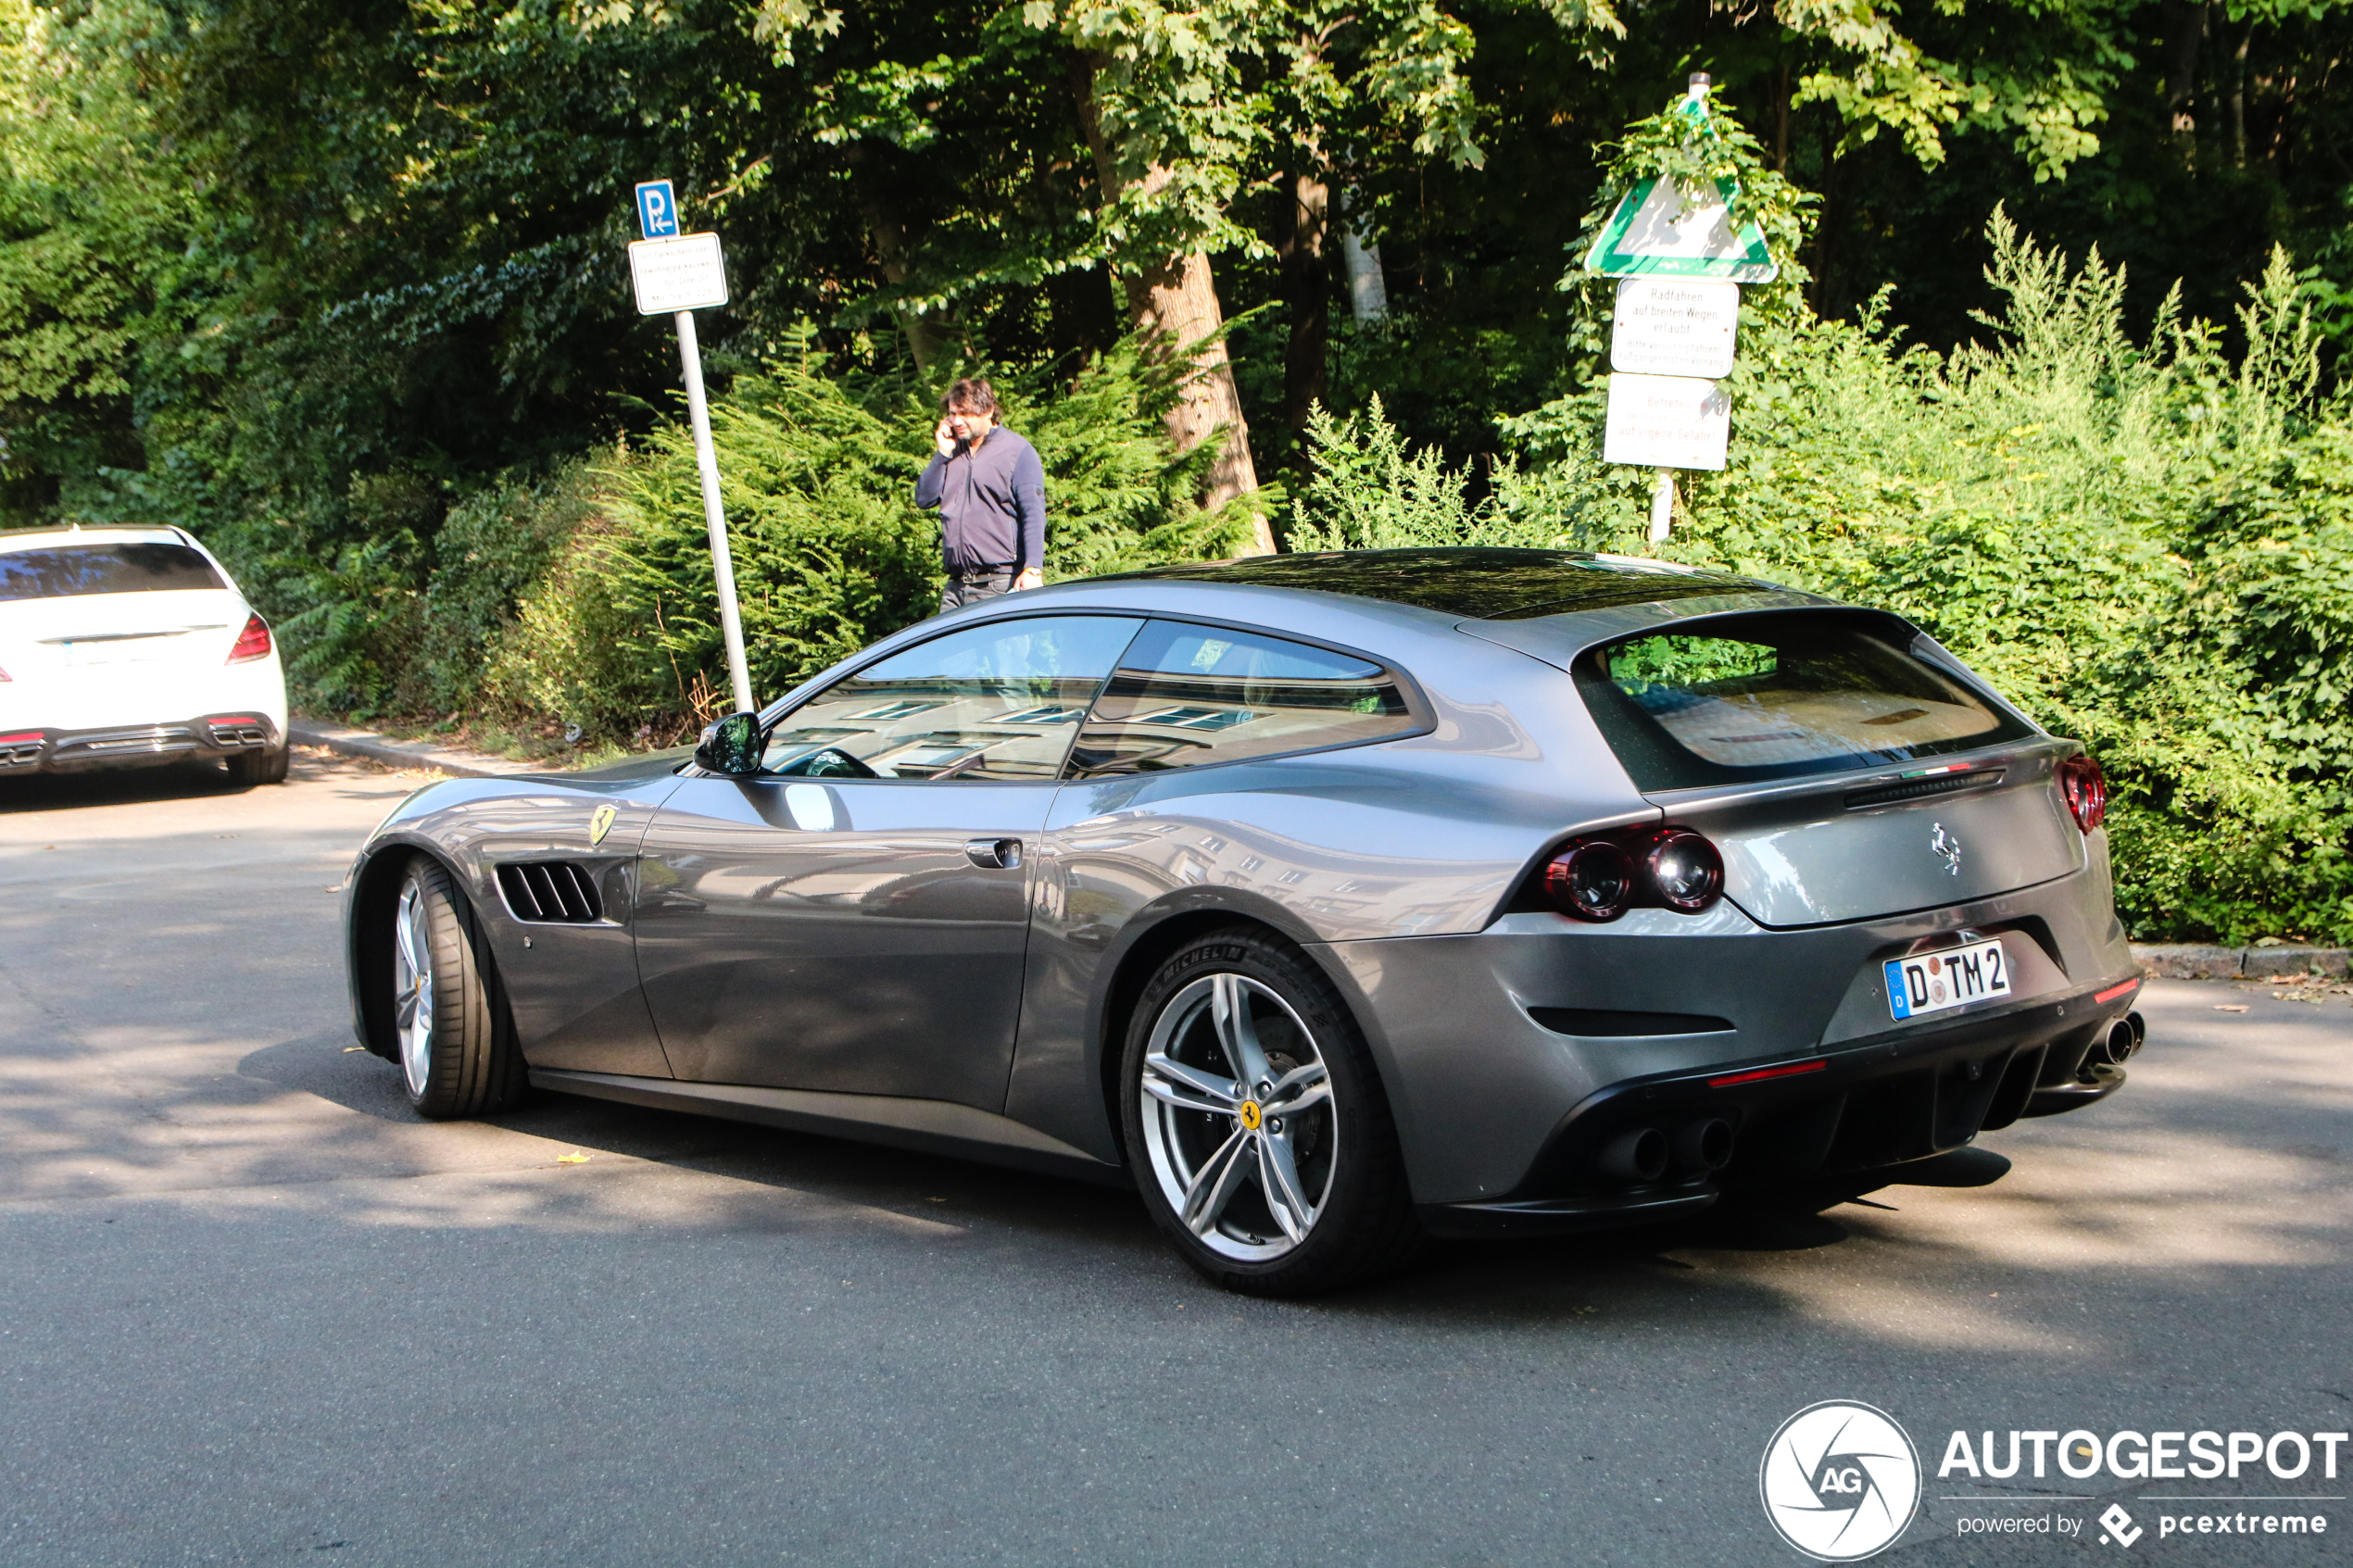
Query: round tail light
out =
(1684, 868)
(1593, 879)
(2085, 789)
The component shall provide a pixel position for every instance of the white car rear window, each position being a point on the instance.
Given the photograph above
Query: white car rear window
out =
(64, 572)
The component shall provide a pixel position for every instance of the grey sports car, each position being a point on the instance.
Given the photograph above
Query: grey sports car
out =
(1336, 900)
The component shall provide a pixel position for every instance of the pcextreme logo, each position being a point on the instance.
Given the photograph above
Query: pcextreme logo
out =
(1840, 1480)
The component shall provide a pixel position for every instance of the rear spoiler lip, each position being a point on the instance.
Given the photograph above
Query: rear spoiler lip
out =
(2027, 760)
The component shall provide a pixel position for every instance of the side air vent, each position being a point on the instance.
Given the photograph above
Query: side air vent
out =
(550, 891)
(1920, 789)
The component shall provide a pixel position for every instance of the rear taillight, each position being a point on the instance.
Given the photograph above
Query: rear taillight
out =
(1593, 879)
(2085, 788)
(1601, 878)
(1684, 868)
(252, 643)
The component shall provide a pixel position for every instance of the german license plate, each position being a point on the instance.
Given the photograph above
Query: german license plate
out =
(1953, 978)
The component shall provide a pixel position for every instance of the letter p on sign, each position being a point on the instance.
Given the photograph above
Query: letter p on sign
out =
(656, 210)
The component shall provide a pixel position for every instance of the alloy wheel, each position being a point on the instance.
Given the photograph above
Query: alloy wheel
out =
(1239, 1117)
(412, 987)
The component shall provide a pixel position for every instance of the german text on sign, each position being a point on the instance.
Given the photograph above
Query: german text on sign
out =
(687, 273)
(1667, 422)
(1674, 327)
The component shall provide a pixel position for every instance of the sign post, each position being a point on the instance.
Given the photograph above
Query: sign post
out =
(676, 275)
(1679, 266)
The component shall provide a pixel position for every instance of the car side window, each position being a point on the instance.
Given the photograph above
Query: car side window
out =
(1186, 695)
(998, 701)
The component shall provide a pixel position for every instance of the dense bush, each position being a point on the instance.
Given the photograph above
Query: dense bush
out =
(619, 637)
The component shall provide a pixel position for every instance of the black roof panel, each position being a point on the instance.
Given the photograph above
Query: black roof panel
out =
(1484, 585)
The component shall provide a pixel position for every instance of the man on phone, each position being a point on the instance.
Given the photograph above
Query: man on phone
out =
(991, 490)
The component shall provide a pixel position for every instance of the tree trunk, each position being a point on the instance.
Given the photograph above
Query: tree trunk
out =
(1307, 291)
(890, 235)
(2184, 30)
(1780, 119)
(1174, 300)
(2238, 95)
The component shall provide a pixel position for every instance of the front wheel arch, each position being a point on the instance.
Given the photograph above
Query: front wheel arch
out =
(375, 892)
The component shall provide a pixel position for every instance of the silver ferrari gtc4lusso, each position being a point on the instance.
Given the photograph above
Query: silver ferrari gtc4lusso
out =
(1338, 899)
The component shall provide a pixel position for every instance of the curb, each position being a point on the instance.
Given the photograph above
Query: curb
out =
(2195, 962)
(404, 754)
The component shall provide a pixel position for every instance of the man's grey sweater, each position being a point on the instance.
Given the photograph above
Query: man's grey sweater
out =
(992, 505)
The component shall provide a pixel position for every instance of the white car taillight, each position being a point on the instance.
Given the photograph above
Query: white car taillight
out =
(252, 643)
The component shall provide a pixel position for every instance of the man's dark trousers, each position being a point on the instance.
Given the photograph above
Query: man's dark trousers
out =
(971, 590)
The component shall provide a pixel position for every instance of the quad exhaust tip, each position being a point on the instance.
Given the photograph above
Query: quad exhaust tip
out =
(1636, 1156)
(1643, 1154)
(2123, 1040)
(1704, 1146)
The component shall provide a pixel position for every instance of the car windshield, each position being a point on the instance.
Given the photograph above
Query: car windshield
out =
(63, 572)
(1777, 696)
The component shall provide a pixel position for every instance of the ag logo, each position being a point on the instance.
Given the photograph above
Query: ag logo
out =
(599, 824)
(1840, 1481)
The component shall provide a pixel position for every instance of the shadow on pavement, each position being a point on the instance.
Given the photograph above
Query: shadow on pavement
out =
(117, 786)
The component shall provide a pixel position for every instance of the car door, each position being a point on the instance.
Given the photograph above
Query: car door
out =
(855, 917)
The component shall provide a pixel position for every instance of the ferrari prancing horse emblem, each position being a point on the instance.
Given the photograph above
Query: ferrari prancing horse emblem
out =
(600, 825)
(1945, 844)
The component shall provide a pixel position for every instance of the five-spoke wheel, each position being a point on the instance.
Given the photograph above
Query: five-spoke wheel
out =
(1260, 1132)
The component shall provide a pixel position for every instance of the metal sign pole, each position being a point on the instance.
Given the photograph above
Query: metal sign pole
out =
(1662, 505)
(723, 565)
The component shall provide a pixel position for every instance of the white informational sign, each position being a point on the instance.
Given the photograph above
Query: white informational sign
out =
(1674, 327)
(1667, 422)
(685, 274)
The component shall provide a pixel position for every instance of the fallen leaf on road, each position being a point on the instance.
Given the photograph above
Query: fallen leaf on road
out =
(571, 1159)
(2231, 1007)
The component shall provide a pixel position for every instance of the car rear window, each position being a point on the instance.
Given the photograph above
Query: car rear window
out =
(1777, 696)
(64, 572)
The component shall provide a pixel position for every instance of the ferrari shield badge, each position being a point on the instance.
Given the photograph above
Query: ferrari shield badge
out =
(600, 825)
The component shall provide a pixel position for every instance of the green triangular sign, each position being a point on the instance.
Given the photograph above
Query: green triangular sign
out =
(1655, 232)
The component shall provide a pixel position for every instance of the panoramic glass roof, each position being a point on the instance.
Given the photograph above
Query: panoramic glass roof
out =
(1482, 584)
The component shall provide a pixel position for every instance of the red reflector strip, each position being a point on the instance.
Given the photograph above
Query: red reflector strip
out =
(1763, 1073)
(20, 740)
(2099, 997)
(231, 722)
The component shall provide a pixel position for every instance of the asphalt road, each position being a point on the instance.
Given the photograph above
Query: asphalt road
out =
(251, 1310)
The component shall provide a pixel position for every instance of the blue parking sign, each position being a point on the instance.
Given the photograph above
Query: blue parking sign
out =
(656, 210)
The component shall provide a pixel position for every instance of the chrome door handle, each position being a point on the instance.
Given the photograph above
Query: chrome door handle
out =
(995, 854)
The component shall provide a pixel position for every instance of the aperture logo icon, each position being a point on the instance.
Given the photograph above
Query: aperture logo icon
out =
(1840, 1481)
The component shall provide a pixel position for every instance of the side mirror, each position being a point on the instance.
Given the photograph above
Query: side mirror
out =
(731, 746)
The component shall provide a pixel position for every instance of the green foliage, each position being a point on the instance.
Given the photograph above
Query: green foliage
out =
(818, 475)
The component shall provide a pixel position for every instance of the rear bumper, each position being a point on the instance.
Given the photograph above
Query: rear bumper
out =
(38, 750)
(1871, 1104)
(1489, 1041)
